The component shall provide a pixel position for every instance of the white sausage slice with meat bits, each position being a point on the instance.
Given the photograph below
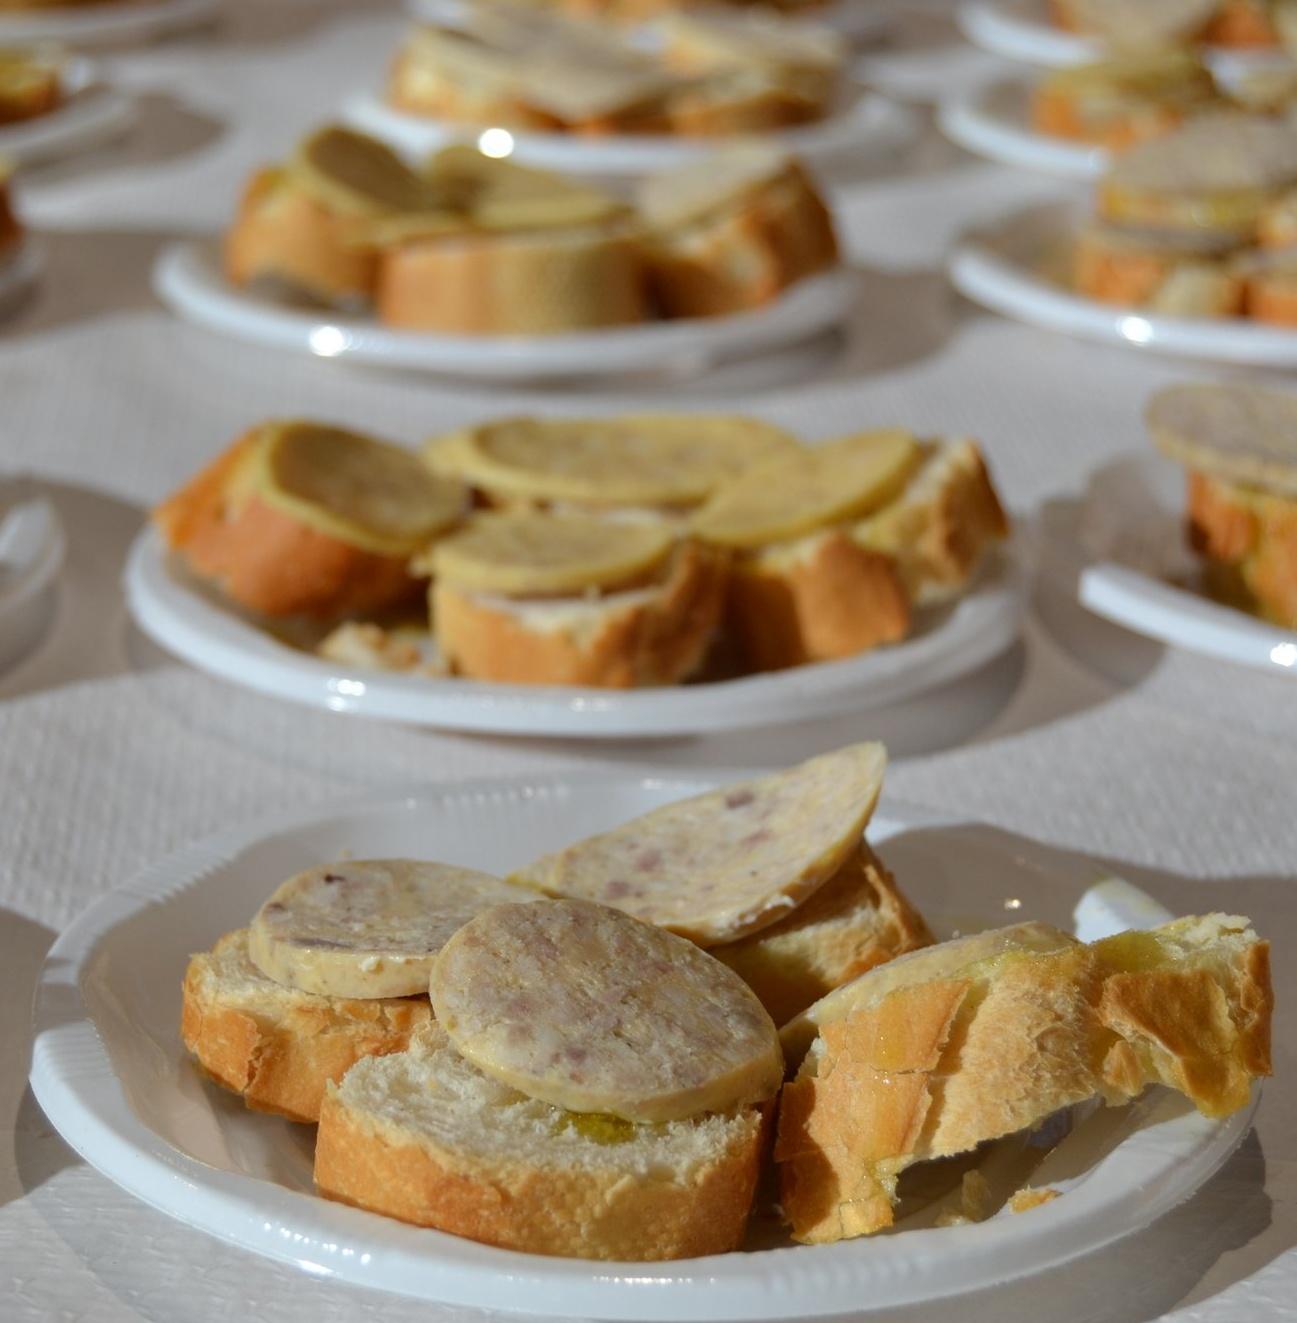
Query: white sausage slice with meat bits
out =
(583, 1007)
(733, 861)
(368, 928)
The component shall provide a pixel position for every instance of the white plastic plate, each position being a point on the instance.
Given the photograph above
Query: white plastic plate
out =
(952, 642)
(1140, 574)
(31, 552)
(188, 277)
(117, 23)
(91, 114)
(1017, 266)
(19, 270)
(109, 1071)
(861, 20)
(866, 127)
(1023, 30)
(994, 121)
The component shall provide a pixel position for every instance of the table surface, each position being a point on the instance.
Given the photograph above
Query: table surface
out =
(1175, 771)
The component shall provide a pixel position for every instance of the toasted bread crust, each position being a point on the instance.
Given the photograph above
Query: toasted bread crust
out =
(746, 255)
(281, 1055)
(35, 97)
(281, 234)
(10, 230)
(659, 641)
(1249, 540)
(591, 1214)
(835, 602)
(535, 284)
(267, 561)
(856, 920)
(933, 1070)
(1244, 23)
(1059, 113)
(1135, 277)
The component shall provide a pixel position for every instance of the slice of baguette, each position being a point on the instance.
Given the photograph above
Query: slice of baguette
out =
(275, 1046)
(939, 530)
(527, 282)
(819, 598)
(1213, 176)
(1248, 541)
(1177, 274)
(1124, 99)
(733, 231)
(267, 521)
(426, 1137)
(10, 229)
(855, 921)
(30, 85)
(651, 634)
(935, 1068)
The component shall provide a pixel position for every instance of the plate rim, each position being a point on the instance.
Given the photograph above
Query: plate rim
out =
(181, 620)
(967, 119)
(69, 1065)
(140, 23)
(95, 113)
(983, 271)
(186, 279)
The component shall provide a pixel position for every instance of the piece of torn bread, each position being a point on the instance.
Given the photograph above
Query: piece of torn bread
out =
(934, 1068)
(858, 919)
(278, 1047)
(426, 1137)
(733, 231)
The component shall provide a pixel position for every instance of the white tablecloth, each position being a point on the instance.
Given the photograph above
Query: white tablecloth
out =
(1181, 776)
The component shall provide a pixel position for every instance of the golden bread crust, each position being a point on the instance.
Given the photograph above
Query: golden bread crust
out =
(281, 1055)
(933, 1070)
(282, 234)
(267, 561)
(658, 641)
(1249, 540)
(536, 284)
(838, 601)
(748, 254)
(581, 1213)
(856, 920)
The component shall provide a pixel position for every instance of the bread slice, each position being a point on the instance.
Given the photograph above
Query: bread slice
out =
(1148, 24)
(1168, 272)
(733, 231)
(304, 225)
(426, 1137)
(653, 633)
(528, 282)
(276, 1047)
(820, 598)
(301, 519)
(1213, 176)
(30, 85)
(1269, 278)
(1248, 542)
(11, 232)
(1249, 24)
(856, 920)
(935, 1068)
(942, 526)
(1124, 99)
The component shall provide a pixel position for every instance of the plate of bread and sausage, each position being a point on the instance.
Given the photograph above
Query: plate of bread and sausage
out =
(631, 1048)
(643, 575)
(1193, 546)
(101, 22)
(590, 97)
(1236, 35)
(52, 105)
(1190, 248)
(474, 265)
(1077, 120)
